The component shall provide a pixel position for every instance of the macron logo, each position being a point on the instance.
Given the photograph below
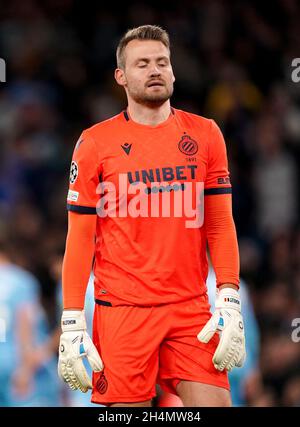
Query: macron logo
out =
(126, 147)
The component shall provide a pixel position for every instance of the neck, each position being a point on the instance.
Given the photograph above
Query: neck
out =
(147, 115)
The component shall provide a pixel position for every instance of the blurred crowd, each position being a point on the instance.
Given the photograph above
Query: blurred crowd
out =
(232, 62)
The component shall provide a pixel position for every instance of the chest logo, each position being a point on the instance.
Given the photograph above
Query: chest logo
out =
(187, 145)
(126, 147)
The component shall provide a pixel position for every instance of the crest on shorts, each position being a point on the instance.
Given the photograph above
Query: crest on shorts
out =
(73, 172)
(187, 145)
(102, 384)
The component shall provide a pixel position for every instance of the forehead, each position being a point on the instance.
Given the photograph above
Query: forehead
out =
(150, 49)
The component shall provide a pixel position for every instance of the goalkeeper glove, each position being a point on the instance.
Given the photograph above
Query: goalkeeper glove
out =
(74, 345)
(227, 320)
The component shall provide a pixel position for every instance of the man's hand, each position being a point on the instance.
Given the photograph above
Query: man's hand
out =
(228, 321)
(75, 344)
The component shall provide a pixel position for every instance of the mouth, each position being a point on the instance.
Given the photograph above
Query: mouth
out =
(155, 84)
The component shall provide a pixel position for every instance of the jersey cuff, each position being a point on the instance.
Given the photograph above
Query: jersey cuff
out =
(213, 191)
(82, 209)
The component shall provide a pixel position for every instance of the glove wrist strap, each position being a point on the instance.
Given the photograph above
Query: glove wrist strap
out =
(228, 298)
(73, 320)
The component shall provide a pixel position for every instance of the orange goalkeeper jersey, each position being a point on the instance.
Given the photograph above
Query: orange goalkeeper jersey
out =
(148, 256)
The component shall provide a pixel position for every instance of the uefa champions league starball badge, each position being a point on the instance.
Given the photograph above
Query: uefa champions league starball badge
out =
(73, 172)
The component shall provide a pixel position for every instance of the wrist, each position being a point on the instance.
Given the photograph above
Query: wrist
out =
(228, 285)
(228, 297)
(73, 320)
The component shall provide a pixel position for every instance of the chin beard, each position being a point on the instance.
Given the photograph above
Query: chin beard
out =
(153, 100)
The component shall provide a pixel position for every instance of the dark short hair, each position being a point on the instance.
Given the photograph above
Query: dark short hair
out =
(144, 32)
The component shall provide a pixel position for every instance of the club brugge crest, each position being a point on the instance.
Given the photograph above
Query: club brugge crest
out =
(102, 384)
(187, 145)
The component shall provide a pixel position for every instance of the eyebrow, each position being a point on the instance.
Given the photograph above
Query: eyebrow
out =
(165, 58)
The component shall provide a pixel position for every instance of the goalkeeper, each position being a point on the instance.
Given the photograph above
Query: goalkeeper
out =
(152, 321)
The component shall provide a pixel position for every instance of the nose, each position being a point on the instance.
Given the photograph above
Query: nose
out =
(154, 71)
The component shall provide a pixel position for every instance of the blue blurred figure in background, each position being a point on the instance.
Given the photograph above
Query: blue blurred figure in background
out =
(28, 361)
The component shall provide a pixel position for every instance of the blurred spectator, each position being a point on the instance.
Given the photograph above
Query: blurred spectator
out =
(291, 392)
(28, 360)
(275, 177)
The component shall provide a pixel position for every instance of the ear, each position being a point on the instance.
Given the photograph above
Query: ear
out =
(120, 77)
(173, 77)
